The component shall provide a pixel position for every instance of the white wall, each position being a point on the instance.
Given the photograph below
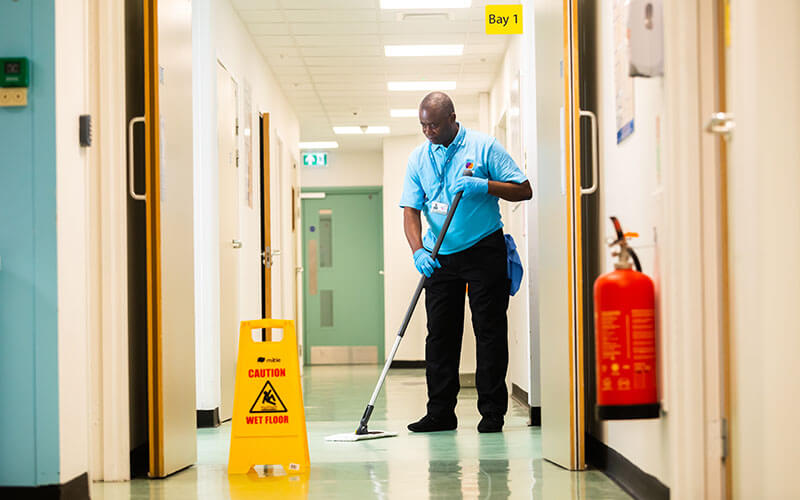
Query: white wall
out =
(222, 35)
(506, 114)
(358, 168)
(630, 188)
(72, 183)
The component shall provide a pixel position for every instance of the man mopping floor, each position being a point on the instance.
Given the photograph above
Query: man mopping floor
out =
(472, 258)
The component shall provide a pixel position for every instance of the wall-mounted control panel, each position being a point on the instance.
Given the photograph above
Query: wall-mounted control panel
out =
(14, 81)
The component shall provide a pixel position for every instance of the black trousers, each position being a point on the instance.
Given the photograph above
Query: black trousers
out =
(480, 271)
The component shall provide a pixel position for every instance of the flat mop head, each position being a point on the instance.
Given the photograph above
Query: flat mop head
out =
(352, 436)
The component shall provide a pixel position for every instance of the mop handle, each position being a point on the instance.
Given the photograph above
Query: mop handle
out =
(415, 298)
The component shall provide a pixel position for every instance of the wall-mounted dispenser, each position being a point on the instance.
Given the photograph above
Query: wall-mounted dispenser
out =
(646, 43)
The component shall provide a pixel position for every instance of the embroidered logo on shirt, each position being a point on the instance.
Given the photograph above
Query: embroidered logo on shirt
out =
(469, 165)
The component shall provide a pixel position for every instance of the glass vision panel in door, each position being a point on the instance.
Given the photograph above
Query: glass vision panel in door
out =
(342, 284)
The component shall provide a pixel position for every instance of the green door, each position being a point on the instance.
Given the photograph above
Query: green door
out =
(343, 278)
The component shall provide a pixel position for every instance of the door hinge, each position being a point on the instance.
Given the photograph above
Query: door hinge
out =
(725, 439)
(266, 258)
(237, 158)
(237, 126)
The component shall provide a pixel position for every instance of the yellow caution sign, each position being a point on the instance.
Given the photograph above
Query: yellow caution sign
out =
(269, 421)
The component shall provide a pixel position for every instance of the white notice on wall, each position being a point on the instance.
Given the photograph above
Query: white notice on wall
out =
(623, 83)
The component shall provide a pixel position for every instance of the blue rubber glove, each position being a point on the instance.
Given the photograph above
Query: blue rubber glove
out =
(424, 263)
(472, 186)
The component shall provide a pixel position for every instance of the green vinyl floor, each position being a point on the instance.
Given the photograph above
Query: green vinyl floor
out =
(461, 464)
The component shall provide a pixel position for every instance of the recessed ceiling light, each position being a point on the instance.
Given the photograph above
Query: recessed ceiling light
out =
(449, 85)
(319, 145)
(361, 130)
(347, 130)
(423, 50)
(425, 4)
(404, 113)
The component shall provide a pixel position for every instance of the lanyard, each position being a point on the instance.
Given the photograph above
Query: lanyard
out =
(447, 157)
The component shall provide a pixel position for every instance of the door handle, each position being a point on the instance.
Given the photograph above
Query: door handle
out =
(381, 272)
(593, 120)
(131, 174)
(236, 243)
(721, 124)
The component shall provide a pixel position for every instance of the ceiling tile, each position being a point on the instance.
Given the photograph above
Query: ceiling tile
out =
(243, 5)
(258, 29)
(331, 16)
(336, 40)
(323, 29)
(328, 58)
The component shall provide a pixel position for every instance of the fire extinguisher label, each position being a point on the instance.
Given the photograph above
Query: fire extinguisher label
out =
(626, 351)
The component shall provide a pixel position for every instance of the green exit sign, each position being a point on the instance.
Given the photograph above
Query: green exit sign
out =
(315, 159)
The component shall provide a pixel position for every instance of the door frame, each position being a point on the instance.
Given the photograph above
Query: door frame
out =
(266, 213)
(695, 274)
(225, 410)
(109, 444)
(378, 190)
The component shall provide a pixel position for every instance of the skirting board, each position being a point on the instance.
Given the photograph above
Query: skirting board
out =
(466, 379)
(408, 363)
(520, 395)
(77, 489)
(208, 418)
(625, 473)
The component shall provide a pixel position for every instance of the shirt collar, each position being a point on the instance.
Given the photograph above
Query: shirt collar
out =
(456, 140)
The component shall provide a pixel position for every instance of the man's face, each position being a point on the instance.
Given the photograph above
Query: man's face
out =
(436, 125)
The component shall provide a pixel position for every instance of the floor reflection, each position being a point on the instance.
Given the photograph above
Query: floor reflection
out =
(254, 485)
(461, 464)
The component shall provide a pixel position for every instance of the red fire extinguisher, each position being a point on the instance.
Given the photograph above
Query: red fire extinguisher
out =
(625, 338)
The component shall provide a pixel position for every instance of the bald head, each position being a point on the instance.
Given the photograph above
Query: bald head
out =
(437, 115)
(438, 101)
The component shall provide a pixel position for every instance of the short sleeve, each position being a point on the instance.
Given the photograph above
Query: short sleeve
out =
(501, 166)
(413, 195)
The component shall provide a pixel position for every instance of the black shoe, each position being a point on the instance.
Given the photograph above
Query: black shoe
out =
(432, 424)
(491, 424)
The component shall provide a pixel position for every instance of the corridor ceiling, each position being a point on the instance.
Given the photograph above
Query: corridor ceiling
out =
(328, 56)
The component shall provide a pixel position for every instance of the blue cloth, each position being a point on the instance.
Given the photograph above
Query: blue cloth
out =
(431, 176)
(515, 270)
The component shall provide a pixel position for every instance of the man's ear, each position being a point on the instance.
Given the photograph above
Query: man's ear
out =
(452, 117)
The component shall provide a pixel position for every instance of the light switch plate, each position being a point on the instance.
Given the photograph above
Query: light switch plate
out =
(13, 96)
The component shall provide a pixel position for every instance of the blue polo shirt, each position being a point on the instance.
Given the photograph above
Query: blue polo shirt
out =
(431, 174)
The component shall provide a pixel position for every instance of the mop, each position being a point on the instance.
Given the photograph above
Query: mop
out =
(363, 433)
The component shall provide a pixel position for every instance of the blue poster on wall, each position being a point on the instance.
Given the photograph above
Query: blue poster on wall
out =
(625, 131)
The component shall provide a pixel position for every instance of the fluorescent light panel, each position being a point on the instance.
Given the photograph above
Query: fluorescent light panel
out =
(448, 85)
(425, 4)
(319, 145)
(347, 130)
(359, 131)
(404, 113)
(423, 50)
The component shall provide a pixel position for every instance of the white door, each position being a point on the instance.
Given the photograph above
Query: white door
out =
(764, 213)
(229, 239)
(557, 211)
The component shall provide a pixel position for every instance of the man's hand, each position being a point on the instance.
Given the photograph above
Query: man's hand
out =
(472, 186)
(424, 263)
